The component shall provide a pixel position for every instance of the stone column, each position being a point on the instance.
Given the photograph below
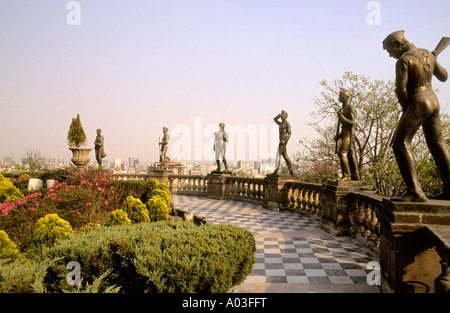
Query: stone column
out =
(160, 175)
(217, 184)
(275, 194)
(409, 263)
(335, 209)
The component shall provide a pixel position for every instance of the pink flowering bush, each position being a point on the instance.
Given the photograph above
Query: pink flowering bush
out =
(83, 197)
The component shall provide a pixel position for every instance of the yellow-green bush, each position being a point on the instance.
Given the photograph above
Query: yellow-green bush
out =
(50, 229)
(8, 192)
(158, 209)
(136, 210)
(8, 249)
(118, 217)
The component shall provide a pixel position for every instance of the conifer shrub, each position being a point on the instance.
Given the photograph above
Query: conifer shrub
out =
(155, 188)
(158, 210)
(8, 249)
(8, 192)
(166, 256)
(118, 217)
(137, 211)
(49, 230)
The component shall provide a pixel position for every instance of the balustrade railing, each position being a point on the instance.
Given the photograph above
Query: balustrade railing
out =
(188, 184)
(364, 208)
(243, 188)
(304, 197)
(130, 176)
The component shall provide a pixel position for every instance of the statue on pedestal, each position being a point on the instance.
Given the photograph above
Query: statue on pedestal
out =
(220, 140)
(285, 134)
(99, 147)
(345, 137)
(415, 68)
(163, 148)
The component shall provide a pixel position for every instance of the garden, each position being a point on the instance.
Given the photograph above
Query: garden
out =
(121, 234)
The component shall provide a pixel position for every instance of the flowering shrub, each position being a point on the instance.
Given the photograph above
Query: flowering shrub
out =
(118, 217)
(136, 210)
(50, 229)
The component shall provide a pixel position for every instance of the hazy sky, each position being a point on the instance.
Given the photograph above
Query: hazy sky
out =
(133, 67)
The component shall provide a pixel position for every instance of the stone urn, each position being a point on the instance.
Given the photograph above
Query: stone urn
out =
(80, 156)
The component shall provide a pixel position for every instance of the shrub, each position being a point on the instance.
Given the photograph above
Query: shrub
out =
(8, 192)
(169, 256)
(8, 249)
(136, 210)
(118, 217)
(158, 210)
(155, 188)
(49, 230)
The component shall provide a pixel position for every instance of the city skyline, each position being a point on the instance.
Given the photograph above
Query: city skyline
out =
(132, 68)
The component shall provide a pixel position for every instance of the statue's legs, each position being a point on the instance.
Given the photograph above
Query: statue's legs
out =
(343, 151)
(432, 129)
(418, 111)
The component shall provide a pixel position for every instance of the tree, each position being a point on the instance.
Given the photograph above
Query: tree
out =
(76, 135)
(377, 116)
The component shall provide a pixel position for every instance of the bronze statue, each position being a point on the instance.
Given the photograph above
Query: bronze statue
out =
(345, 136)
(99, 147)
(414, 70)
(163, 149)
(220, 146)
(285, 134)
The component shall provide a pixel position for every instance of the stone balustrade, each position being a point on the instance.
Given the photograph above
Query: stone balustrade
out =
(304, 197)
(246, 189)
(363, 214)
(188, 184)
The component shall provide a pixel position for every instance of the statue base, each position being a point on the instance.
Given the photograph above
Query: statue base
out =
(335, 209)
(411, 265)
(217, 184)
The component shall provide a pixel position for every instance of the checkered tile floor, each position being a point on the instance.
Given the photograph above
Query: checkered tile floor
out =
(290, 248)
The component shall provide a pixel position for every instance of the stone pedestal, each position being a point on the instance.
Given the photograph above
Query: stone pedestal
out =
(217, 184)
(160, 175)
(335, 209)
(276, 192)
(408, 262)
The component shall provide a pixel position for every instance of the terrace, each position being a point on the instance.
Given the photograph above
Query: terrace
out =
(410, 241)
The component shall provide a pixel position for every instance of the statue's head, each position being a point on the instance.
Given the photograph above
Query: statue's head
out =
(284, 114)
(395, 44)
(99, 131)
(222, 126)
(165, 129)
(344, 95)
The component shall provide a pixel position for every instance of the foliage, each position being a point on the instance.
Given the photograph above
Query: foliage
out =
(136, 210)
(158, 210)
(170, 256)
(49, 230)
(377, 116)
(8, 249)
(155, 188)
(23, 275)
(76, 135)
(8, 192)
(118, 217)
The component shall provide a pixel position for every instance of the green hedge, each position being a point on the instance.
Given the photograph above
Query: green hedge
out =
(166, 256)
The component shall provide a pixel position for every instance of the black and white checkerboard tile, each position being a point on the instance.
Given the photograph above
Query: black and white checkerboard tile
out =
(309, 260)
(281, 256)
